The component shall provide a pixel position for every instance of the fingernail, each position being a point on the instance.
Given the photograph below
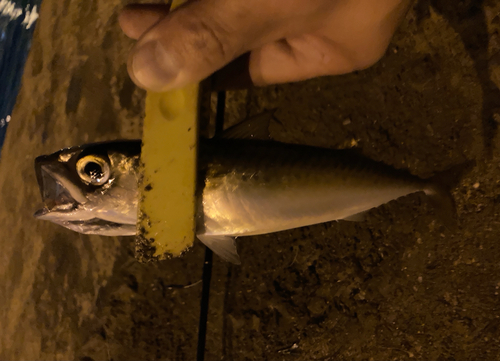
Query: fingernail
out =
(153, 67)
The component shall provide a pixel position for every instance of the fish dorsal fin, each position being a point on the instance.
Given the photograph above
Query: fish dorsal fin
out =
(256, 127)
(223, 246)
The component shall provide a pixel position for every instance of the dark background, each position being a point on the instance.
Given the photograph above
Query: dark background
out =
(398, 286)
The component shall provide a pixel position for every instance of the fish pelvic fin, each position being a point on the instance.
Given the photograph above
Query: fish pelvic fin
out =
(439, 189)
(223, 246)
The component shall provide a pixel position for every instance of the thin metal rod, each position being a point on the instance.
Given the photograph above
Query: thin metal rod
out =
(205, 294)
(207, 265)
(220, 110)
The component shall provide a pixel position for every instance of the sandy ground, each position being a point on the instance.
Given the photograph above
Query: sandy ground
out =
(398, 286)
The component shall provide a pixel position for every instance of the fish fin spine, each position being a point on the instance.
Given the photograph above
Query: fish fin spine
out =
(256, 127)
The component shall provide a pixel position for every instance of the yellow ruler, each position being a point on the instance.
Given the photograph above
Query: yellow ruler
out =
(166, 224)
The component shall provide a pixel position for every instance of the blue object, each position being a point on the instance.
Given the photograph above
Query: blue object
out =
(17, 23)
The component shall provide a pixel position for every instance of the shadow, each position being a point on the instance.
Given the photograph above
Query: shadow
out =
(468, 19)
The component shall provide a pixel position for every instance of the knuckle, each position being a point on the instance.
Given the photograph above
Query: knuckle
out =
(216, 36)
(207, 38)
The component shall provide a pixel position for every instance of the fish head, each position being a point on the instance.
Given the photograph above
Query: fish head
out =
(91, 189)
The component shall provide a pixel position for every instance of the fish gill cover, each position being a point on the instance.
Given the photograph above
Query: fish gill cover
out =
(17, 23)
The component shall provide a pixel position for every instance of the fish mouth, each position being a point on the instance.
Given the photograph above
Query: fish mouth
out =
(54, 188)
(59, 193)
(64, 202)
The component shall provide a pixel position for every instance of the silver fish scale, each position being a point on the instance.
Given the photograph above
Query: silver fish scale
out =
(253, 187)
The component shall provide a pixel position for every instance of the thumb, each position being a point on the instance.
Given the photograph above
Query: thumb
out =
(196, 40)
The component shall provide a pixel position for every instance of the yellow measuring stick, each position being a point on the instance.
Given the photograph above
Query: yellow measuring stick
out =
(166, 224)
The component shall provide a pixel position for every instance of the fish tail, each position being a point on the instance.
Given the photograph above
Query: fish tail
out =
(443, 203)
(438, 191)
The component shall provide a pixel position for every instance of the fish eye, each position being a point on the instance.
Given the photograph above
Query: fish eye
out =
(93, 170)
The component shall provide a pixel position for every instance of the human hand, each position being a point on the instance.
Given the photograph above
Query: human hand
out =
(256, 41)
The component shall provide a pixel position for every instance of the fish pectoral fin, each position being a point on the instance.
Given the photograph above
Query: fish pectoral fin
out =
(358, 217)
(253, 128)
(223, 246)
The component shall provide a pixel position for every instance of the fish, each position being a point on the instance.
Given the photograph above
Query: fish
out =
(246, 187)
